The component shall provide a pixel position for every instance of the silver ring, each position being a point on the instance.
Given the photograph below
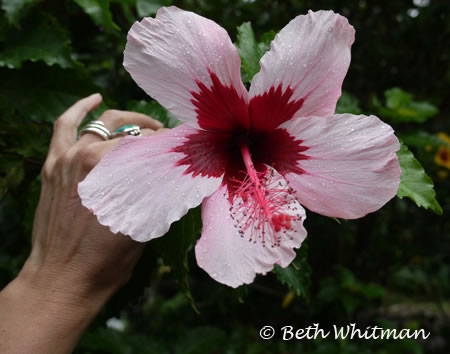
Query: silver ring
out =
(97, 127)
(134, 130)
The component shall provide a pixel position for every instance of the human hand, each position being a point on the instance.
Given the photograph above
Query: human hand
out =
(75, 264)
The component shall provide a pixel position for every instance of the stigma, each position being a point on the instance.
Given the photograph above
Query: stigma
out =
(264, 207)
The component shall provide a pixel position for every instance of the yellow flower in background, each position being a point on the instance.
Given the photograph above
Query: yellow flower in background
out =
(443, 136)
(443, 174)
(287, 299)
(442, 157)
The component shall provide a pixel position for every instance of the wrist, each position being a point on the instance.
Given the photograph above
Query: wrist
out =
(60, 290)
(48, 311)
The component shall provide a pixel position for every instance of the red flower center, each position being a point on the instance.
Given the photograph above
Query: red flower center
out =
(444, 155)
(239, 141)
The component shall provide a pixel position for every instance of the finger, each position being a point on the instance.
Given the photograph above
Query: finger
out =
(104, 146)
(146, 132)
(114, 119)
(65, 127)
(100, 148)
(149, 132)
(88, 155)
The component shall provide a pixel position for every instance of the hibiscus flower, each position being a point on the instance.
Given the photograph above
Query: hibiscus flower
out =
(252, 157)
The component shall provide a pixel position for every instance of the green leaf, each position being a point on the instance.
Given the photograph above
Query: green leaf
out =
(415, 183)
(422, 139)
(348, 104)
(12, 174)
(264, 42)
(240, 293)
(297, 275)
(195, 341)
(154, 110)
(111, 341)
(400, 107)
(99, 11)
(41, 93)
(248, 49)
(396, 97)
(14, 8)
(42, 38)
(149, 7)
(176, 244)
(4, 28)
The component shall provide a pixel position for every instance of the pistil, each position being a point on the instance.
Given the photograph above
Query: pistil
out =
(264, 201)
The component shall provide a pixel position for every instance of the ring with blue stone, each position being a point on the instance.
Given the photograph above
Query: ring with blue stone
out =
(134, 130)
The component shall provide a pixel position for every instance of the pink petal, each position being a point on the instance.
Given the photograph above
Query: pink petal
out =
(232, 259)
(139, 188)
(189, 64)
(352, 167)
(302, 73)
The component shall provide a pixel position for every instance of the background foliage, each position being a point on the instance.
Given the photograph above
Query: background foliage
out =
(389, 269)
